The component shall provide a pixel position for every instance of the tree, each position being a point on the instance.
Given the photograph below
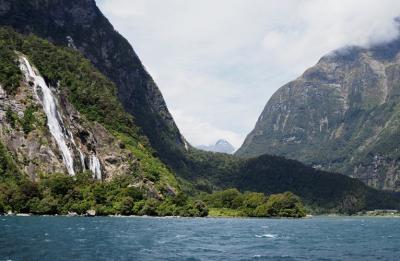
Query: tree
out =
(285, 205)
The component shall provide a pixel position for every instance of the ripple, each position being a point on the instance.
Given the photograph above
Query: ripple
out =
(318, 238)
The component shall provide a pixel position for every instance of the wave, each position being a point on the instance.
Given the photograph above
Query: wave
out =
(267, 236)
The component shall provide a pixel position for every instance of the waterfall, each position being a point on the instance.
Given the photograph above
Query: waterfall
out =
(95, 167)
(82, 157)
(54, 121)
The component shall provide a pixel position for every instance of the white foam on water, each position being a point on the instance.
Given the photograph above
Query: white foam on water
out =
(267, 236)
(54, 121)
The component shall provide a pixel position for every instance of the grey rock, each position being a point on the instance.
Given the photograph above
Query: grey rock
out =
(341, 115)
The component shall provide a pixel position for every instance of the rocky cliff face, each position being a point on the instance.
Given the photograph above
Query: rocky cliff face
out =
(81, 25)
(36, 147)
(341, 115)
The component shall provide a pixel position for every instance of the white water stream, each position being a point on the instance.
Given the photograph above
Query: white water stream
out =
(56, 125)
(54, 121)
(95, 167)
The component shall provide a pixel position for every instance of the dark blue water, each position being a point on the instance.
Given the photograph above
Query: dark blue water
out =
(112, 238)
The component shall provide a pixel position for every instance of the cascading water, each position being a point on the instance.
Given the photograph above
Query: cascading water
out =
(82, 157)
(95, 166)
(54, 121)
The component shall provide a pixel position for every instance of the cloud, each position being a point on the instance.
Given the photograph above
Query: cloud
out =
(319, 26)
(203, 132)
(218, 62)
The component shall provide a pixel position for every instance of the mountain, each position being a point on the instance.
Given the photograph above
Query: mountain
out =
(221, 146)
(342, 115)
(77, 100)
(81, 25)
(58, 114)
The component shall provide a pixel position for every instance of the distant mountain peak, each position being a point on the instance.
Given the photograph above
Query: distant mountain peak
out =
(222, 142)
(222, 146)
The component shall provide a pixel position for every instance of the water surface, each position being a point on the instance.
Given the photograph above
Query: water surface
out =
(129, 238)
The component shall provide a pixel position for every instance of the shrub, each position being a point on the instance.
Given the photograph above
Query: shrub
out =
(59, 184)
(167, 209)
(201, 207)
(150, 207)
(28, 119)
(80, 207)
(124, 206)
(46, 206)
(102, 210)
(12, 118)
(285, 205)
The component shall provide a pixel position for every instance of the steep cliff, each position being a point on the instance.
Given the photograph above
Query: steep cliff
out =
(341, 115)
(60, 115)
(81, 25)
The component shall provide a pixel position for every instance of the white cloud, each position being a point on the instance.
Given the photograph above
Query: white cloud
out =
(218, 62)
(204, 133)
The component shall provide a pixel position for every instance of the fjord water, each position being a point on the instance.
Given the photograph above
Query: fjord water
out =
(131, 238)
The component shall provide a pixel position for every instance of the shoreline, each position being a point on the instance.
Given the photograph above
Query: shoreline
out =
(213, 217)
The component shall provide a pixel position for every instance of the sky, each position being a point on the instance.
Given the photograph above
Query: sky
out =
(217, 62)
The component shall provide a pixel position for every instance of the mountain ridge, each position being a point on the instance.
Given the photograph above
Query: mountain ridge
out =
(341, 115)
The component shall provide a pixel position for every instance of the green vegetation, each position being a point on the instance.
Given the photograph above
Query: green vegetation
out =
(321, 192)
(28, 120)
(232, 203)
(8, 169)
(10, 74)
(12, 118)
(61, 194)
